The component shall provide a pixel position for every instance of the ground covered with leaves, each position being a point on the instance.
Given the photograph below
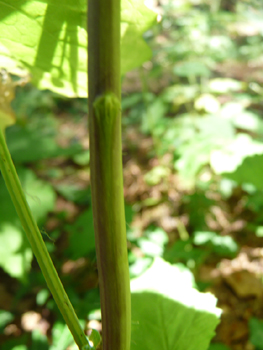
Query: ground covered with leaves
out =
(193, 164)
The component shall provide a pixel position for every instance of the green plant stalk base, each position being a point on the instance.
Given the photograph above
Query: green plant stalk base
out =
(38, 246)
(109, 222)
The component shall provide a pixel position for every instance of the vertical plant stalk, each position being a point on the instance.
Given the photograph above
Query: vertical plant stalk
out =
(106, 171)
(38, 246)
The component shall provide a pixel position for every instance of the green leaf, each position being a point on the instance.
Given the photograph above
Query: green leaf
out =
(218, 346)
(136, 18)
(207, 103)
(81, 238)
(229, 157)
(62, 338)
(82, 158)
(95, 338)
(225, 85)
(15, 253)
(168, 313)
(16, 343)
(61, 335)
(259, 231)
(39, 341)
(40, 195)
(42, 296)
(192, 69)
(256, 332)
(241, 118)
(139, 265)
(5, 318)
(74, 193)
(185, 252)
(250, 171)
(153, 242)
(50, 41)
(212, 133)
(25, 144)
(222, 245)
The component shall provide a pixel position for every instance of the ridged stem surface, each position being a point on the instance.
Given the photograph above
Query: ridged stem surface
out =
(106, 171)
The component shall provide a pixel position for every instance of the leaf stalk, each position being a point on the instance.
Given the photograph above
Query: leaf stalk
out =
(37, 244)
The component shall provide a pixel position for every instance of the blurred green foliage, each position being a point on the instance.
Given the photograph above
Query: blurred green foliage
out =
(256, 333)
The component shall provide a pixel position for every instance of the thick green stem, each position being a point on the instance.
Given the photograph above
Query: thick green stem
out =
(38, 246)
(106, 171)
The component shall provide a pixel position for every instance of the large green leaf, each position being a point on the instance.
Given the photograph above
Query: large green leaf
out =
(49, 39)
(168, 313)
(15, 253)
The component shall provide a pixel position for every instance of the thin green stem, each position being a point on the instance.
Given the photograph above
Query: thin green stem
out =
(106, 171)
(38, 246)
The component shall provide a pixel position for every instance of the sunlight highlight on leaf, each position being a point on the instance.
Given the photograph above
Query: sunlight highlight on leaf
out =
(50, 41)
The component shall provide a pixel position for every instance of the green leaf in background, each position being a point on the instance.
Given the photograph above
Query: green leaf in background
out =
(42, 296)
(74, 193)
(5, 318)
(81, 236)
(222, 245)
(40, 195)
(153, 241)
(49, 40)
(15, 253)
(136, 18)
(192, 69)
(95, 338)
(241, 118)
(184, 319)
(225, 85)
(228, 158)
(153, 115)
(185, 252)
(256, 332)
(39, 341)
(82, 158)
(218, 346)
(250, 171)
(211, 133)
(139, 265)
(25, 144)
(16, 343)
(20, 347)
(207, 103)
(259, 231)
(61, 337)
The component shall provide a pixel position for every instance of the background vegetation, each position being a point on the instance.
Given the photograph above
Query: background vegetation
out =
(193, 164)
